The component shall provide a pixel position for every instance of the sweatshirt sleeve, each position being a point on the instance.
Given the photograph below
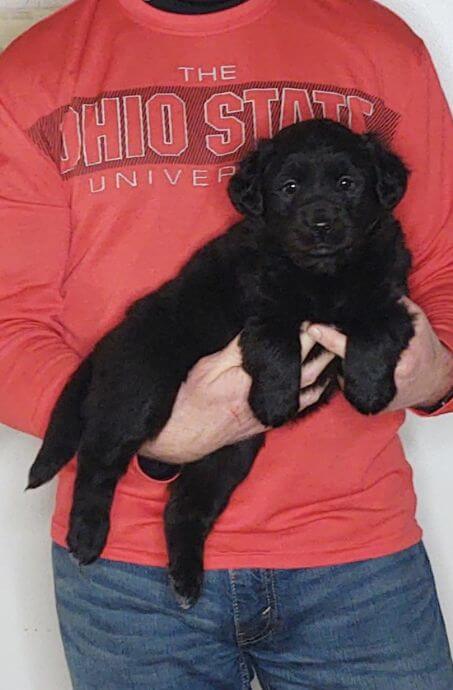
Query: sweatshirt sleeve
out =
(425, 141)
(35, 361)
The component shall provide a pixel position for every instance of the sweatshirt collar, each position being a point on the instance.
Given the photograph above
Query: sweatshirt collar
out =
(201, 24)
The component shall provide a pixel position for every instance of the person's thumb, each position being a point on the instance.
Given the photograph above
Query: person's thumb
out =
(231, 354)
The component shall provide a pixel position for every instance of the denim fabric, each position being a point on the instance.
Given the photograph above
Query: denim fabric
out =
(371, 625)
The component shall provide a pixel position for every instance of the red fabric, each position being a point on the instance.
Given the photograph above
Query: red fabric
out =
(120, 126)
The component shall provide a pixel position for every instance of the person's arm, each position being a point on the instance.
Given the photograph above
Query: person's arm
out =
(426, 142)
(212, 410)
(424, 139)
(35, 361)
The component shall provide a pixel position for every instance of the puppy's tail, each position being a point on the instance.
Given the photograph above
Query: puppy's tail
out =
(65, 428)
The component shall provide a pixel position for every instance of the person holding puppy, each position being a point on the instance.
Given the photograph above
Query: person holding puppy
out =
(121, 123)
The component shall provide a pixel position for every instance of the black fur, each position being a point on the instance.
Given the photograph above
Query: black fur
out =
(318, 243)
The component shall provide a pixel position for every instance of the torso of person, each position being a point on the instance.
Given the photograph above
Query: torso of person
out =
(146, 113)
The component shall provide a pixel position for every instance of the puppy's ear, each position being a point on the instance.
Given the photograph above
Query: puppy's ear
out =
(246, 186)
(392, 175)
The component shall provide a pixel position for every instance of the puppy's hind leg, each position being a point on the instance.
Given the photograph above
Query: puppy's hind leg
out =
(98, 473)
(122, 410)
(197, 498)
(64, 430)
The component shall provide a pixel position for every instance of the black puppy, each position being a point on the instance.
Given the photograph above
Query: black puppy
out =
(318, 243)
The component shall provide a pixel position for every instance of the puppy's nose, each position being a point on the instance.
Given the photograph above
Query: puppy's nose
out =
(320, 228)
(322, 225)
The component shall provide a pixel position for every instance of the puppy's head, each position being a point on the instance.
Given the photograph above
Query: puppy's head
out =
(320, 190)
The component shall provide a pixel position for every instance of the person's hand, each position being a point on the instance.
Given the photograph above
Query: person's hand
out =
(424, 374)
(211, 408)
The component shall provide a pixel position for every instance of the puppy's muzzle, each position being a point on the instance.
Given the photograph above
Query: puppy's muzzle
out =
(319, 221)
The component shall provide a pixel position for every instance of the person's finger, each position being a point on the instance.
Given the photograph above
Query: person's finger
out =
(329, 338)
(310, 396)
(233, 351)
(230, 356)
(311, 370)
(406, 367)
(306, 343)
(411, 307)
(211, 367)
(417, 314)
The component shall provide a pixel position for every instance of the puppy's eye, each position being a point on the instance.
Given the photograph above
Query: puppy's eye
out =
(346, 183)
(290, 187)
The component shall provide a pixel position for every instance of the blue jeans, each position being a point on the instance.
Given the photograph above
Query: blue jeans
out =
(372, 625)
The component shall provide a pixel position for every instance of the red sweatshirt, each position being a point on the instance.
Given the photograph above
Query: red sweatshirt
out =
(120, 126)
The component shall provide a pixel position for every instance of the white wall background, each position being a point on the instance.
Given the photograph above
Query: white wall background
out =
(31, 656)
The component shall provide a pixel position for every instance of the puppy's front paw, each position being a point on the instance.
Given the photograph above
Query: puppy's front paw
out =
(370, 396)
(186, 583)
(371, 359)
(368, 378)
(87, 538)
(273, 405)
